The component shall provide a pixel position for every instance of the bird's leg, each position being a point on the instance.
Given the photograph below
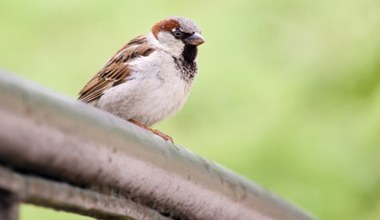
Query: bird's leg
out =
(156, 132)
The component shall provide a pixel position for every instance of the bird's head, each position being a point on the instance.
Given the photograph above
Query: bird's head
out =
(180, 37)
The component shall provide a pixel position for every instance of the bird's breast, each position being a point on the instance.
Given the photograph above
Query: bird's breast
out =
(154, 91)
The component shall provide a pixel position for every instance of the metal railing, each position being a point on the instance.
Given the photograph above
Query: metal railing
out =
(60, 153)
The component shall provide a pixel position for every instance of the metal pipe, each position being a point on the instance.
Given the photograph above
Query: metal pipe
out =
(56, 137)
(9, 205)
(42, 192)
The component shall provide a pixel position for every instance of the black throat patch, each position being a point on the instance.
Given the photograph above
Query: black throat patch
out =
(186, 63)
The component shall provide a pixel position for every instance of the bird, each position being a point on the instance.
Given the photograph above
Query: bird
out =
(150, 77)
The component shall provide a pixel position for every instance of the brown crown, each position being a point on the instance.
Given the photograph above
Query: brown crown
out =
(165, 25)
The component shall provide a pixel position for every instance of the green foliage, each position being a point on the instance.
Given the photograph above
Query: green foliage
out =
(288, 92)
(29, 212)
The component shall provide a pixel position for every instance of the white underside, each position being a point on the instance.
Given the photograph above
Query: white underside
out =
(153, 92)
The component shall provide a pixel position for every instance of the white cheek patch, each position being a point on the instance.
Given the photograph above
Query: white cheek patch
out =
(170, 44)
(166, 38)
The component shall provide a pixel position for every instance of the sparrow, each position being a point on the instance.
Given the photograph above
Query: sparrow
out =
(149, 78)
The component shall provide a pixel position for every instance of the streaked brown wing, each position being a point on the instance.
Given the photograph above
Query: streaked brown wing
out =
(116, 70)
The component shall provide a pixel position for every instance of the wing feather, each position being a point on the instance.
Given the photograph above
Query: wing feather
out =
(116, 70)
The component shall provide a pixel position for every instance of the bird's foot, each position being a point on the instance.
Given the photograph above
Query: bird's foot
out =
(164, 136)
(156, 132)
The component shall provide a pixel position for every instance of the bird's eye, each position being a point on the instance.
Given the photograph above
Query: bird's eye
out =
(177, 33)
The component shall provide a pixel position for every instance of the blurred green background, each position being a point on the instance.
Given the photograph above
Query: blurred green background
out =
(288, 92)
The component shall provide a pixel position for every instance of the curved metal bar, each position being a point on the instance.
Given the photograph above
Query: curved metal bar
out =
(55, 137)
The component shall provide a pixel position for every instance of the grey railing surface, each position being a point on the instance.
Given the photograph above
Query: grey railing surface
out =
(60, 153)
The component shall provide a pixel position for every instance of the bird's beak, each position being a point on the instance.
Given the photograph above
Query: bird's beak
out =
(194, 39)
